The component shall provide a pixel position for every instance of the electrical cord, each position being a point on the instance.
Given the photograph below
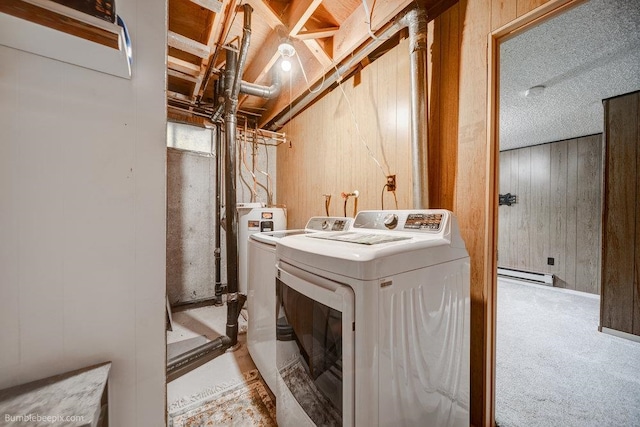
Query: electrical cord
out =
(369, 14)
(357, 126)
(382, 197)
(304, 74)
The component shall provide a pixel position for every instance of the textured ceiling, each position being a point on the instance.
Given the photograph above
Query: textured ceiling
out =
(585, 55)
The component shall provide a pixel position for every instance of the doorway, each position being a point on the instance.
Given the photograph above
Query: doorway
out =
(561, 151)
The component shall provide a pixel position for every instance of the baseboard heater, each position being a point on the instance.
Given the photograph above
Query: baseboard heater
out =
(541, 278)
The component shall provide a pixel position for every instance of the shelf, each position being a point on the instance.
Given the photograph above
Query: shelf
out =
(58, 32)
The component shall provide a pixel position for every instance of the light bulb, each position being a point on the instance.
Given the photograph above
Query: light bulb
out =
(285, 64)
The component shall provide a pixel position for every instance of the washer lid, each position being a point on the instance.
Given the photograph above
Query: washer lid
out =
(271, 237)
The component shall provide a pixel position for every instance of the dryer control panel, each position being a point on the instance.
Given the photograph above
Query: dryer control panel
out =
(426, 220)
(422, 221)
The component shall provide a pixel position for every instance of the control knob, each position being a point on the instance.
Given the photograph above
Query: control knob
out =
(325, 224)
(390, 221)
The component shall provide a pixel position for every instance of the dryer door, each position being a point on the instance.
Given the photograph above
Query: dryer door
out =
(314, 347)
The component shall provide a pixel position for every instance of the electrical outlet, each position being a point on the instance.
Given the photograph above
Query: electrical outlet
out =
(391, 183)
(551, 261)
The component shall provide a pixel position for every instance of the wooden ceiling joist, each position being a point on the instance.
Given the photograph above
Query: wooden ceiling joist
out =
(188, 45)
(318, 34)
(218, 30)
(352, 33)
(265, 12)
(179, 75)
(324, 33)
(354, 30)
(178, 96)
(301, 11)
(268, 55)
(182, 66)
(214, 6)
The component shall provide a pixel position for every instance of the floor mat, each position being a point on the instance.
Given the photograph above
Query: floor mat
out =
(245, 403)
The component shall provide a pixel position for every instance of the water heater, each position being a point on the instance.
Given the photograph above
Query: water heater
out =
(254, 218)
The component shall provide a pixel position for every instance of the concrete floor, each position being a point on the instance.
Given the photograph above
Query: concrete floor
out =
(194, 327)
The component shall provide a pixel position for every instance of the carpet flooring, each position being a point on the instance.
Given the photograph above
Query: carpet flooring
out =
(553, 367)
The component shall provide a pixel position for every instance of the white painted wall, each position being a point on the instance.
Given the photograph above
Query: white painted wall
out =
(82, 219)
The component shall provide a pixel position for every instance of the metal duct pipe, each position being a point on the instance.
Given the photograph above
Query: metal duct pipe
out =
(233, 76)
(219, 94)
(263, 91)
(244, 49)
(218, 207)
(416, 20)
(231, 214)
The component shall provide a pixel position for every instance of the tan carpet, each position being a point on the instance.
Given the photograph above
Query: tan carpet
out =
(245, 403)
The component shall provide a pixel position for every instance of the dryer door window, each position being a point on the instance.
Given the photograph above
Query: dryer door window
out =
(310, 349)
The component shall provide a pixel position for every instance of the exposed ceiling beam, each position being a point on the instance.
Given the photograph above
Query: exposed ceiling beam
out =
(214, 6)
(354, 30)
(303, 8)
(216, 32)
(266, 13)
(178, 74)
(301, 11)
(260, 65)
(182, 66)
(318, 34)
(188, 45)
(178, 96)
(318, 52)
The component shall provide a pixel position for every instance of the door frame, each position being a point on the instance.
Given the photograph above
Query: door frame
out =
(519, 25)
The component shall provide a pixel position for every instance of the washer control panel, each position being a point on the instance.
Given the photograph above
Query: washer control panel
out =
(327, 223)
(426, 220)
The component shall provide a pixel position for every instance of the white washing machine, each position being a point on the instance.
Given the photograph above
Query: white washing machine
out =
(254, 218)
(374, 327)
(261, 294)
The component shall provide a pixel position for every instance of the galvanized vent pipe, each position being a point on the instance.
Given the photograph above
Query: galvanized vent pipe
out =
(416, 21)
(233, 74)
(233, 85)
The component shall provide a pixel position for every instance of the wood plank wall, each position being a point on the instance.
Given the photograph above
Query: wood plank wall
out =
(327, 152)
(458, 128)
(620, 303)
(557, 215)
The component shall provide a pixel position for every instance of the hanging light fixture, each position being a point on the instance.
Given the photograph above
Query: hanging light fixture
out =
(286, 51)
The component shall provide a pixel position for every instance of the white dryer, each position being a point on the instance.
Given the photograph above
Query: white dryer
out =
(374, 327)
(261, 294)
